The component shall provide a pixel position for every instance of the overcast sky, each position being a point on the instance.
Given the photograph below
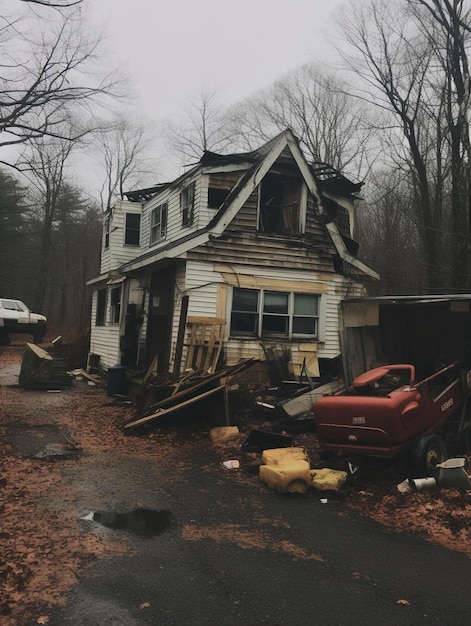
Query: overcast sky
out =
(173, 48)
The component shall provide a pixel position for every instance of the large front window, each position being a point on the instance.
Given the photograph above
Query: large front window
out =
(275, 314)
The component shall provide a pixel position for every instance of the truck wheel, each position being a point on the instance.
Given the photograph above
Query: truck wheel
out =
(430, 451)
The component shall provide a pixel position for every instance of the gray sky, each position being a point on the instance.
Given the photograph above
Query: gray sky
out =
(174, 48)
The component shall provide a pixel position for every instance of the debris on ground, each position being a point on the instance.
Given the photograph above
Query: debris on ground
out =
(200, 393)
(39, 370)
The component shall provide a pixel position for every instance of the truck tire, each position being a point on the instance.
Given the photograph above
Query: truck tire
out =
(429, 452)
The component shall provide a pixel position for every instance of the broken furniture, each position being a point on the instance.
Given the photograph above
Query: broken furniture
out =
(39, 370)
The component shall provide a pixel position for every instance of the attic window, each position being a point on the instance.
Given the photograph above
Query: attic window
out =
(187, 204)
(216, 197)
(280, 205)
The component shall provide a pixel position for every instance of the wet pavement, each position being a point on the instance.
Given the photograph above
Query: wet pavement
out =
(205, 545)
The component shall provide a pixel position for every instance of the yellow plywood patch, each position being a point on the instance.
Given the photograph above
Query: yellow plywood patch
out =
(306, 357)
(259, 282)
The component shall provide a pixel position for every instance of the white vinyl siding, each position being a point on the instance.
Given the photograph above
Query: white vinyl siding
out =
(104, 340)
(118, 251)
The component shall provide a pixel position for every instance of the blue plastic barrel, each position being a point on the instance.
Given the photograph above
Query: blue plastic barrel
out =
(116, 380)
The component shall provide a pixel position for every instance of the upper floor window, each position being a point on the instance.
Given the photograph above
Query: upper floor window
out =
(106, 233)
(264, 313)
(216, 196)
(158, 223)
(132, 233)
(280, 205)
(187, 204)
(100, 316)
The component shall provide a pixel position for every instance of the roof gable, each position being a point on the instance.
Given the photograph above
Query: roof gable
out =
(271, 152)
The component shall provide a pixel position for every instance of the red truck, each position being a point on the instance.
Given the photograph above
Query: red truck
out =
(386, 412)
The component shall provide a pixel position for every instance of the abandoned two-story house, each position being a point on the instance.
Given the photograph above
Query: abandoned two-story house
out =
(242, 252)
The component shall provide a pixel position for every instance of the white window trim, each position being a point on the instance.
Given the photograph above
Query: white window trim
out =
(132, 245)
(162, 233)
(321, 321)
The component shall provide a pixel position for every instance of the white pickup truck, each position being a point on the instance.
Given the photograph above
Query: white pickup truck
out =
(15, 317)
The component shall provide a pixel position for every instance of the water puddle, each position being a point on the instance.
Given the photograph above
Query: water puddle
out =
(46, 441)
(143, 522)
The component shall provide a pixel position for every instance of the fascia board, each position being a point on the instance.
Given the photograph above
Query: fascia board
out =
(168, 253)
(345, 255)
(221, 169)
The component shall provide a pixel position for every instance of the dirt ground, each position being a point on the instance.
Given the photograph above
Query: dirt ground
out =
(44, 551)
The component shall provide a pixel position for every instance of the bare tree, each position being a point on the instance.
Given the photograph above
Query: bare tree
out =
(46, 175)
(124, 153)
(395, 70)
(203, 127)
(330, 124)
(448, 28)
(49, 74)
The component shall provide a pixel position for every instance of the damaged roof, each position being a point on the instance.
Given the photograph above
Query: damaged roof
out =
(327, 177)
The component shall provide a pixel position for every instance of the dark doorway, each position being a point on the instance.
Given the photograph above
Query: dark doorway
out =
(159, 329)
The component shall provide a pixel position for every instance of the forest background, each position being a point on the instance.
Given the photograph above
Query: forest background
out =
(390, 108)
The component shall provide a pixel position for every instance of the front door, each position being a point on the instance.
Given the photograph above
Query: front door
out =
(159, 329)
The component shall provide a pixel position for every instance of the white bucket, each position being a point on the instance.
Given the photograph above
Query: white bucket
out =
(453, 474)
(424, 483)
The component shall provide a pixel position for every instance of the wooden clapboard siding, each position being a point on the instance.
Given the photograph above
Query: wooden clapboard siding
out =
(201, 284)
(263, 250)
(119, 253)
(104, 340)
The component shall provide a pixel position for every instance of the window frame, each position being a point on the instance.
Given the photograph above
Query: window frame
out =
(115, 304)
(128, 230)
(187, 204)
(159, 226)
(101, 302)
(288, 198)
(264, 317)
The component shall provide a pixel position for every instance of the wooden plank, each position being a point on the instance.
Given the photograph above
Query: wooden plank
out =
(177, 407)
(208, 321)
(152, 368)
(180, 336)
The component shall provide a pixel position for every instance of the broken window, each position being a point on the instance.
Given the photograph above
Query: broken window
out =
(132, 233)
(158, 226)
(216, 197)
(187, 204)
(100, 316)
(115, 301)
(280, 205)
(267, 313)
(106, 232)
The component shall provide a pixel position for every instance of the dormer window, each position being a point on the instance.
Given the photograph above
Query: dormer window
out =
(187, 204)
(280, 205)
